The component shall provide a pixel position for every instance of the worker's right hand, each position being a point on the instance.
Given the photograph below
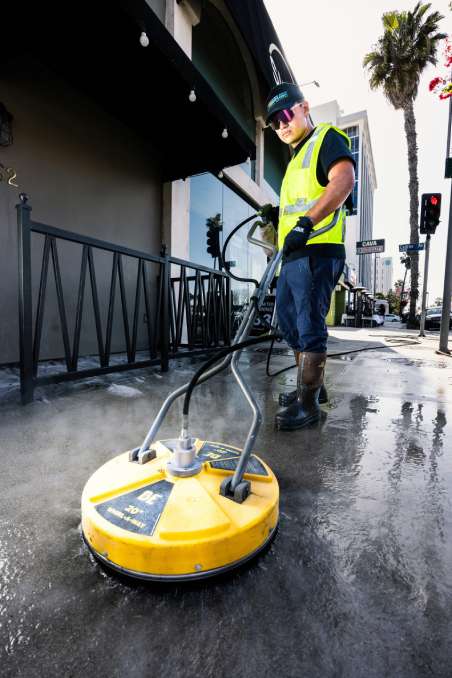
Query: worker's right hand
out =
(270, 214)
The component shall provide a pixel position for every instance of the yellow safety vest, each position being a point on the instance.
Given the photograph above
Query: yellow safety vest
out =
(300, 191)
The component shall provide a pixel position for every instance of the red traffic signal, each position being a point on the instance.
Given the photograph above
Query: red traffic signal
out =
(430, 212)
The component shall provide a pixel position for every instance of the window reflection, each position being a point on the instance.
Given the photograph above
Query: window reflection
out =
(208, 197)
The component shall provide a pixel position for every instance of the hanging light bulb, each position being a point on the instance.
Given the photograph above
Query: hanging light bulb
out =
(144, 40)
(248, 160)
(224, 133)
(192, 96)
(220, 175)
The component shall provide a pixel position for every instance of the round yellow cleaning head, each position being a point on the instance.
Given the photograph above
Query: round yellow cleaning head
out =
(143, 521)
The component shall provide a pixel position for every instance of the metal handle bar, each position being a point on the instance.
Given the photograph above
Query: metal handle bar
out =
(142, 455)
(257, 414)
(259, 243)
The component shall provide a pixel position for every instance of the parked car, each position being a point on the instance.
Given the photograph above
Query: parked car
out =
(433, 318)
(391, 318)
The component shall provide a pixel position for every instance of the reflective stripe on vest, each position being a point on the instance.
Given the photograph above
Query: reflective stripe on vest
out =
(300, 206)
(300, 191)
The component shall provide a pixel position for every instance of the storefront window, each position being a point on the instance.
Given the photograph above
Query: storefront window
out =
(209, 197)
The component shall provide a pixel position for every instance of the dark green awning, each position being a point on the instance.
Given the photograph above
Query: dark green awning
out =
(94, 45)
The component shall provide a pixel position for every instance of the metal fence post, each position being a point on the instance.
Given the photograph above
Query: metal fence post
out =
(25, 300)
(165, 324)
(229, 307)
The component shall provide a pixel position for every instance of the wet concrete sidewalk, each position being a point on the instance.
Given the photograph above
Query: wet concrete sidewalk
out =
(358, 582)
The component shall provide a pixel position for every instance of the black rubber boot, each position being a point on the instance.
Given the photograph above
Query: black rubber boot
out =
(286, 399)
(290, 397)
(305, 410)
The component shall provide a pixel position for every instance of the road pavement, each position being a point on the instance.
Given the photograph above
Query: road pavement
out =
(357, 583)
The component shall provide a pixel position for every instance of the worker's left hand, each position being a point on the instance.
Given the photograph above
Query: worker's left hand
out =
(270, 214)
(298, 236)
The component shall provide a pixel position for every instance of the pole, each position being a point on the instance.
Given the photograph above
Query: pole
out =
(447, 290)
(402, 292)
(424, 289)
(445, 317)
(165, 272)
(359, 310)
(25, 300)
(375, 273)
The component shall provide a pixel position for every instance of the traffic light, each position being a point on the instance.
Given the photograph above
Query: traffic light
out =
(214, 227)
(430, 211)
(406, 261)
(213, 241)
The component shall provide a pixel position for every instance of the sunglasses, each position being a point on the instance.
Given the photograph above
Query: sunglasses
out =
(285, 115)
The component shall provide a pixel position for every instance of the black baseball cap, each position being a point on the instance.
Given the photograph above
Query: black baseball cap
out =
(284, 95)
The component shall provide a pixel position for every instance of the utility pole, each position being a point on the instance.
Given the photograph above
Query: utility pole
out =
(406, 261)
(424, 289)
(445, 317)
(375, 272)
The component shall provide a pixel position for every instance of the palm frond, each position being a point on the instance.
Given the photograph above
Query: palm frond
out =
(421, 9)
(409, 42)
(390, 21)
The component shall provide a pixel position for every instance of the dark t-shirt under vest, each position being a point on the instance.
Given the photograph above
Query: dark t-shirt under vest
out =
(333, 148)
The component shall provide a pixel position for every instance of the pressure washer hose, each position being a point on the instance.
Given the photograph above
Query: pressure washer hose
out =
(228, 349)
(221, 354)
(268, 337)
(331, 355)
(223, 261)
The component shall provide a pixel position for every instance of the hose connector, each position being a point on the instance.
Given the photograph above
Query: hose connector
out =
(184, 462)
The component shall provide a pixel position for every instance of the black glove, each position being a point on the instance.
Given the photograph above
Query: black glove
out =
(298, 236)
(270, 214)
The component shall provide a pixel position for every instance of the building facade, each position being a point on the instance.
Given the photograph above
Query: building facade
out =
(137, 145)
(383, 274)
(360, 220)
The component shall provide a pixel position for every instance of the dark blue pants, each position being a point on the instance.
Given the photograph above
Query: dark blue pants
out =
(303, 298)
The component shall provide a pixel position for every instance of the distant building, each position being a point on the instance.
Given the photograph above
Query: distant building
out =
(360, 221)
(383, 274)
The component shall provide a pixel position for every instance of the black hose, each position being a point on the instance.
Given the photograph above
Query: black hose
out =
(221, 354)
(223, 253)
(267, 367)
(330, 355)
(236, 347)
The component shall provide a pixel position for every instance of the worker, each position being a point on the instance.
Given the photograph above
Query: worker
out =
(311, 231)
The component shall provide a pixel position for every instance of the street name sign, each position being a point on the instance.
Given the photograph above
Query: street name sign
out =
(412, 247)
(370, 246)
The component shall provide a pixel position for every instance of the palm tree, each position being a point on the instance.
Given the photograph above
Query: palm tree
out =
(408, 44)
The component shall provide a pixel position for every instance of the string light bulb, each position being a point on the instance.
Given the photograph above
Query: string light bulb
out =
(192, 96)
(224, 133)
(144, 40)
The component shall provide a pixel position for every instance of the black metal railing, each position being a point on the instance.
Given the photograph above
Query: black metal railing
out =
(187, 307)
